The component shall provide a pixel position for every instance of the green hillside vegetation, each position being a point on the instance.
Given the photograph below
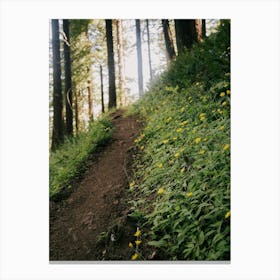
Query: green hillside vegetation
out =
(69, 160)
(181, 184)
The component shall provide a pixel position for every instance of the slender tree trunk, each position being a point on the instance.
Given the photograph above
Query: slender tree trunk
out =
(168, 40)
(120, 62)
(57, 136)
(68, 80)
(139, 56)
(89, 88)
(185, 34)
(76, 112)
(204, 28)
(198, 28)
(111, 64)
(102, 92)
(149, 50)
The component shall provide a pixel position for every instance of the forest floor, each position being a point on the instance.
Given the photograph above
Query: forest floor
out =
(91, 224)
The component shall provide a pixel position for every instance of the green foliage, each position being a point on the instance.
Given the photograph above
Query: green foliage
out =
(68, 161)
(183, 173)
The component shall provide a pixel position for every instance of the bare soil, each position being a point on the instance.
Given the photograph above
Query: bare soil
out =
(92, 223)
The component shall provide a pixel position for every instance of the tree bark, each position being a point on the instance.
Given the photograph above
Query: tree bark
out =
(185, 34)
(139, 57)
(76, 112)
(68, 80)
(111, 64)
(168, 40)
(102, 92)
(57, 136)
(204, 28)
(89, 88)
(198, 29)
(120, 62)
(149, 50)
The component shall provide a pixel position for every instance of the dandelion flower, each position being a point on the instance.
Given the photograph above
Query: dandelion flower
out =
(177, 155)
(202, 118)
(224, 103)
(228, 91)
(202, 115)
(135, 256)
(130, 245)
(201, 152)
(227, 215)
(132, 184)
(169, 119)
(137, 233)
(182, 109)
(205, 139)
(197, 140)
(142, 148)
(160, 165)
(138, 242)
(226, 147)
(179, 129)
(189, 194)
(182, 170)
(165, 141)
(160, 191)
(222, 127)
(222, 94)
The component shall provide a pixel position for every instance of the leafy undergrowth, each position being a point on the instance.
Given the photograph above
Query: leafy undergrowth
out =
(68, 161)
(181, 184)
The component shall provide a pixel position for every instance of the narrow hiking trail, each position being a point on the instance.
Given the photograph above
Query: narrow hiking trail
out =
(98, 203)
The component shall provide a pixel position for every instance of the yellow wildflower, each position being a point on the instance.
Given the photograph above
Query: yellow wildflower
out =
(202, 115)
(182, 170)
(160, 191)
(227, 215)
(138, 242)
(165, 141)
(205, 139)
(213, 111)
(182, 109)
(137, 233)
(220, 111)
(184, 122)
(169, 119)
(228, 91)
(177, 155)
(135, 256)
(132, 184)
(189, 194)
(197, 140)
(179, 129)
(130, 245)
(224, 103)
(142, 148)
(222, 127)
(226, 147)
(222, 94)
(160, 165)
(201, 152)
(174, 138)
(202, 118)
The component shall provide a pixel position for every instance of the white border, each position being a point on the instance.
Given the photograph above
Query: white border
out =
(24, 138)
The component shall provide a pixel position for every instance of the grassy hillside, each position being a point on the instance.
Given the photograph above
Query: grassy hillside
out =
(181, 185)
(69, 160)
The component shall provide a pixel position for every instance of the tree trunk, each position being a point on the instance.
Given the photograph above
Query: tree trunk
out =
(89, 88)
(168, 40)
(76, 112)
(139, 56)
(198, 28)
(111, 64)
(149, 50)
(57, 136)
(68, 81)
(120, 62)
(185, 34)
(204, 28)
(102, 92)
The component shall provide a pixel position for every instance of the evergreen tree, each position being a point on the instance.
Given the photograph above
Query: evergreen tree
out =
(111, 64)
(68, 79)
(168, 40)
(57, 135)
(139, 56)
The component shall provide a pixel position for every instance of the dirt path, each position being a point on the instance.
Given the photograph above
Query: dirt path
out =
(98, 204)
